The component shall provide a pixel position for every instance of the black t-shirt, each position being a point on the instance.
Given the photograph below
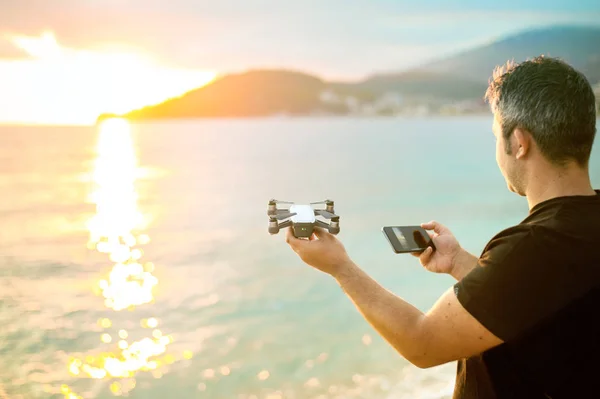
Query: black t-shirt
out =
(537, 287)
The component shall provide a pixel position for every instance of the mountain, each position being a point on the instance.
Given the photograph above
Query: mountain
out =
(253, 93)
(466, 74)
(452, 84)
(592, 69)
(421, 83)
(580, 46)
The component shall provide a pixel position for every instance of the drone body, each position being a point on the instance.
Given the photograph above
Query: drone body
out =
(303, 214)
(301, 218)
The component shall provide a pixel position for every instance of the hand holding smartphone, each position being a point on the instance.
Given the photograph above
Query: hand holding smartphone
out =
(407, 239)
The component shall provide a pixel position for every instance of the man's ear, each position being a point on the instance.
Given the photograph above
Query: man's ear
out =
(522, 143)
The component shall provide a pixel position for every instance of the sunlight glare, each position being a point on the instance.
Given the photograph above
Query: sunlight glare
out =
(62, 85)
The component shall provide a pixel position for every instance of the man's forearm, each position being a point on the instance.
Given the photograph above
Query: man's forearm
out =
(397, 321)
(463, 264)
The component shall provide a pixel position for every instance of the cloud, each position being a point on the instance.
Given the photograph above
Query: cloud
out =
(108, 24)
(44, 46)
(8, 50)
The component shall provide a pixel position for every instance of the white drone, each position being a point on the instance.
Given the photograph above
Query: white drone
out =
(303, 218)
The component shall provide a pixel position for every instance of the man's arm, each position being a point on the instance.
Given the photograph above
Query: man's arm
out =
(463, 263)
(445, 333)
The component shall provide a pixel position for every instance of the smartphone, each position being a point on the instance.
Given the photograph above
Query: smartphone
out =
(406, 239)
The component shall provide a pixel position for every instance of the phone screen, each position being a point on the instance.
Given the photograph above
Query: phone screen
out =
(407, 238)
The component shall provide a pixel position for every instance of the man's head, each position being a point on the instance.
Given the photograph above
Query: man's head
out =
(544, 114)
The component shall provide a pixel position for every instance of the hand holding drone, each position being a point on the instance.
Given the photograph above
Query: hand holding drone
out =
(303, 218)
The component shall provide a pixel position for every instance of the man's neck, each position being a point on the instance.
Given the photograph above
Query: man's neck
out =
(552, 182)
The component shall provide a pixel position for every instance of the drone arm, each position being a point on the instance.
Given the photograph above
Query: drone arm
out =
(285, 224)
(326, 214)
(278, 211)
(322, 224)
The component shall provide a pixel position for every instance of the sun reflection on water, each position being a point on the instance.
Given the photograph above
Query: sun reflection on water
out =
(112, 229)
(117, 231)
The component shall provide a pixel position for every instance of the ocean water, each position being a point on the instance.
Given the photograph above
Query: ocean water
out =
(135, 259)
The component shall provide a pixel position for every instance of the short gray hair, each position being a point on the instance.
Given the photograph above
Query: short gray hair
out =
(549, 99)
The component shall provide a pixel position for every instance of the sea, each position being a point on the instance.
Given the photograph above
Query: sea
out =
(135, 259)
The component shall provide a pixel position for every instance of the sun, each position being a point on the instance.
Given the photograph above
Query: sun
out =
(56, 84)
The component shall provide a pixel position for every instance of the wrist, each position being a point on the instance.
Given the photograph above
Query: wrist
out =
(460, 264)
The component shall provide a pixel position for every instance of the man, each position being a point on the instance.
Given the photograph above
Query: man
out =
(523, 319)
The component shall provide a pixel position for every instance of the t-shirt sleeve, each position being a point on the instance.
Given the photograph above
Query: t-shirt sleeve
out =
(505, 291)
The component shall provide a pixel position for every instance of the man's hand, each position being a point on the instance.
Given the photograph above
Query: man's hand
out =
(449, 257)
(322, 250)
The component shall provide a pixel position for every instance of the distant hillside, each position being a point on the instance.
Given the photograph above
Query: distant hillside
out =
(426, 84)
(580, 46)
(592, 69)
(254, 93)
(451, 85)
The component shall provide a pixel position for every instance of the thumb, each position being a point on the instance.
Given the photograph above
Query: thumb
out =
(291, 239)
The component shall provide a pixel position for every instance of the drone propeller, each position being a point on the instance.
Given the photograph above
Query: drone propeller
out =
(321, 202)
(280, 216)
(326, 214)
(274, 201)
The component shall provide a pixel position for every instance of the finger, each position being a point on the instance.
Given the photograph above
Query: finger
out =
(435, 226)
(428, 227)
(320, 232)
(426, 256)
(417, 254)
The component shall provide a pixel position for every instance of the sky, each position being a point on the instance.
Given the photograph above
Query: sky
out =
(66, 61)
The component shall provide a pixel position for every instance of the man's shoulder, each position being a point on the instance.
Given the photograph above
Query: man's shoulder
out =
(509, 240)
(531, 237)
(531, 247)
